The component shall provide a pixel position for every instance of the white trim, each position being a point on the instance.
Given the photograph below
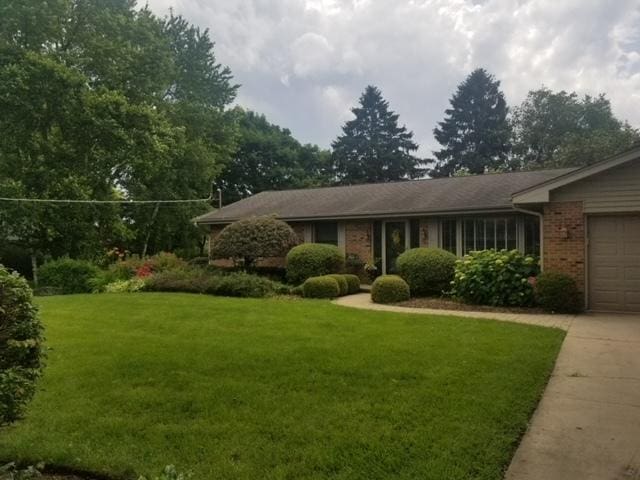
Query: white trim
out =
(342, 237)
(540, 193)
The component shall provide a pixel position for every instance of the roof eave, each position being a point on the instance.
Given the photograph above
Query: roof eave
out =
(438, 213)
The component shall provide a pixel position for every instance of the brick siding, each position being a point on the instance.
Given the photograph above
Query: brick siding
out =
(359, 241)
(564, 240)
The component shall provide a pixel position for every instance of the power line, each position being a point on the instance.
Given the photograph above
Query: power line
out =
(123, 202)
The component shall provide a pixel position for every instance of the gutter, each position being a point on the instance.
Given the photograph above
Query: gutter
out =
(541, 217)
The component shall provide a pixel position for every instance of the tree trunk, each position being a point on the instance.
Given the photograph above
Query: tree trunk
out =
(146, 240)
(34, 270)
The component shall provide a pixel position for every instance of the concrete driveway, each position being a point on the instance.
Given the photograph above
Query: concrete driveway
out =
(587, 425)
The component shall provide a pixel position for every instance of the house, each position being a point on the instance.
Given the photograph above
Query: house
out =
(584, 222)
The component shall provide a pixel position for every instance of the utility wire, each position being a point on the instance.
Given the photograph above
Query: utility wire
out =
(125, 202)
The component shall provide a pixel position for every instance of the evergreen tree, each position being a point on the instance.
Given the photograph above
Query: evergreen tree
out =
(475, 132)
(372, 147)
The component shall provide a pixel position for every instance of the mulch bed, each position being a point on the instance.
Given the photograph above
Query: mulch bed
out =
(448, 304)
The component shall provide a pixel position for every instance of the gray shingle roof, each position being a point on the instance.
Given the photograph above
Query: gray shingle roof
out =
(429, 196)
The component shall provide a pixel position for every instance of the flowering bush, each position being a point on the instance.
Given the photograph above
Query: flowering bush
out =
(498, 278)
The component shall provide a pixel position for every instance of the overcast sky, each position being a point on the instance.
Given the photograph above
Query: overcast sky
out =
(304, 63)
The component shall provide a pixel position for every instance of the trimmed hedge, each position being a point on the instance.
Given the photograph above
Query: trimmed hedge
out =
(558, 293)
(498, 278)
(428, 271)
(313, 260)
(20, 345)
(390, 289)
(68, 275)
(353, 283)
(195, 280)
(342, 283)
(323, 286)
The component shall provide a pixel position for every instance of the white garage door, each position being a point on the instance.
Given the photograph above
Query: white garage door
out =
(614, 263)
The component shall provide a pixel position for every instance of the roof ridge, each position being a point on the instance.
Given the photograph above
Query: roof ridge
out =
(416, 180)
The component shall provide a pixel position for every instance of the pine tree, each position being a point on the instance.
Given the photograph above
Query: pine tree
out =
(475, 132)
(372, 147)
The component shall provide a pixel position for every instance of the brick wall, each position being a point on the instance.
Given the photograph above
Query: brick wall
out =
(564, 240)
(358, 240)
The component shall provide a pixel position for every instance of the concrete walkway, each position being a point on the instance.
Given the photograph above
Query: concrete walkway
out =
(587, 425)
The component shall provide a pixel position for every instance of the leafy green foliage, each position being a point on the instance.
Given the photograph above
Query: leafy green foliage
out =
(428, 271)
(475, 134)
(198, 280)
(68, 275)
(20, 345)
(353, 283)
(498, 278)
(125, 286)
(313, 260)
(251, 239)
(559, 129)
(325, 286)
(269, 158)
(104, 101)
(372, 147)
(389, 289)
(342, 283)
(557, 292)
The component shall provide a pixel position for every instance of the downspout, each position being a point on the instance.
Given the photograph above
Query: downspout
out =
(541, 218)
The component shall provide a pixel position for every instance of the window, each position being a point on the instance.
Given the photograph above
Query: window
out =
(414, 237)
(487, 233)
(531, 235)
(448, 229)
(326, 232)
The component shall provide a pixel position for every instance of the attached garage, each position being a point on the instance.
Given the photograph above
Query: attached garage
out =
(591, 229)
(614, 263)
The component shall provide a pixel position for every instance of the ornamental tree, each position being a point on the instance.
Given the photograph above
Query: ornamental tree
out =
(247, 241)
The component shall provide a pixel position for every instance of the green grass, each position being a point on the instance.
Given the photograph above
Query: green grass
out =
(278, 389)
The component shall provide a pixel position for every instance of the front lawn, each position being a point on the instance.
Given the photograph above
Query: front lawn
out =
(278, 389)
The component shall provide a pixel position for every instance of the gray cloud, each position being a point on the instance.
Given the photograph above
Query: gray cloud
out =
(305, 62)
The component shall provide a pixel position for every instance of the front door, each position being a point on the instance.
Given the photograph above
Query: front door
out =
(395, 241)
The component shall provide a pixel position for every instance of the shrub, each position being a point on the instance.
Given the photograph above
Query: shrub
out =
(342, 283)
(313, 260)
(20, 345)
(428, 271)
(125, 286)
(389, 289)
(170, 473)
(241, 284)
(321, 287)
(297, 291)
(498, 278)
(353, 283)
(557, 292)
(68, 275)
(249, 240)
(196, 280)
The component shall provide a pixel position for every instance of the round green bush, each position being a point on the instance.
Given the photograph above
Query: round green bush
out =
(498, 278)
(389, 289)
(68, 275)
(428, 271)
(342, 283)
(313, 260)
(20, 345)
(353, 283)
(558, 293)
(321, 287)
